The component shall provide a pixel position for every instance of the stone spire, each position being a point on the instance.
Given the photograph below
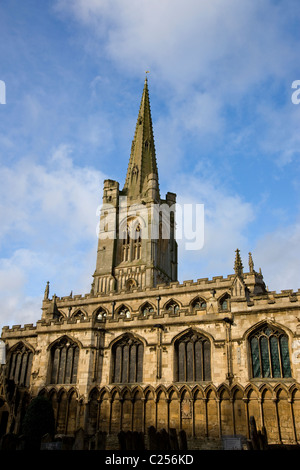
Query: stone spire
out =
(142, 175)
(238, 265)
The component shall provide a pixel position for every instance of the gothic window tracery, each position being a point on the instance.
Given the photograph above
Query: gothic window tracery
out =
(130, 284)
(137, 243)
(224, 302)
(198, 304)
(126, 244)
(193, 358)
(20, 363)
(127, 357)
(124, 312)
(101, 314)
(64, 362)
(79, 315)
(269, 353)
(146, 309)
(131, 241)
(172, 307)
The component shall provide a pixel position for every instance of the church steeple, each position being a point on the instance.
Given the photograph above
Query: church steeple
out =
(142, 174)
(133, 252)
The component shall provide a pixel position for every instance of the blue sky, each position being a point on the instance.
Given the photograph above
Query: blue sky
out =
(226, 132)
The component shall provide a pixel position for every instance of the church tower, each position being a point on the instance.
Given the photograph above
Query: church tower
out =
(137, 246)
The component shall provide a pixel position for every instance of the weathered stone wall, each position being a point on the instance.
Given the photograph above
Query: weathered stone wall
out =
(210, 409)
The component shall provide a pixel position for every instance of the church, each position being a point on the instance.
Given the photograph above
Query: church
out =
(142, 349)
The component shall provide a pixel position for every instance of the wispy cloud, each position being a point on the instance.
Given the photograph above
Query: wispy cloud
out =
(49, 211)
(225, 128)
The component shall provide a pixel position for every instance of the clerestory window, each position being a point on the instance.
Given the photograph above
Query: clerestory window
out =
(172, 307)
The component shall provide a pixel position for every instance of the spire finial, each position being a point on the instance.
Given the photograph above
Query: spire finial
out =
(238, 265)
(146, 79)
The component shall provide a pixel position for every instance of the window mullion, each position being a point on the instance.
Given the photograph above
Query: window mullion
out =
(280, 357)
(260, 357)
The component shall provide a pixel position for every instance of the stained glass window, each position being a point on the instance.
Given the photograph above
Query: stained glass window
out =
(269, 353)
(284, 351)
(255, 357)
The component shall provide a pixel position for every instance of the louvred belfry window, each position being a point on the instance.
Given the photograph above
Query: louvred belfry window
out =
(126, 244)
(127, 357)
(137, 243)
(269, 353)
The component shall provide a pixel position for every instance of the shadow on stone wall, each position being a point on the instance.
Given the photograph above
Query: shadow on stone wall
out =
(157, 440)
(153, 440)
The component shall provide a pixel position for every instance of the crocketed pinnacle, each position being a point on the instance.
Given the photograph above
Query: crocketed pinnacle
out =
(238, 265)
(142, 163)
(251, 264)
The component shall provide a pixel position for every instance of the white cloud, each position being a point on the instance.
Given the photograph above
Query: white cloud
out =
(277, 253)
(204, 58)
(233, 43)
(53, 196)
(226, 222)
(49, 221)
(281, 139)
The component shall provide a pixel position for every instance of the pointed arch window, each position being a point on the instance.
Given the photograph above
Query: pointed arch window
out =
(224, 302)
(64, 362)
(101, 314)
(123, 312)
(131, 241)
(198, 304)
(269, 352)
(126, 244)
(147, 309)
(19, 365)
(79, 315)
(172, 307)
(193, 358)
(130, 284)
(137, 243)
(127, 360)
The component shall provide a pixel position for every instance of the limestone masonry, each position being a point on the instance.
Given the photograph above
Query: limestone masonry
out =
(142, 349)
